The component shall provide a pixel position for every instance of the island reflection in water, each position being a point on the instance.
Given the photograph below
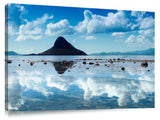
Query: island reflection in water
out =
(74, 85)
(62, 66)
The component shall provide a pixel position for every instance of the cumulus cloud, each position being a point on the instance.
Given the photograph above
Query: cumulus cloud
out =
(137, 41)
(138, 14)
(16, 12)
(145, 38)
(142, 20)
(60, 28)
(147, 23)
(132, 39)
(32, 30)
(114, 22)
(119, 22)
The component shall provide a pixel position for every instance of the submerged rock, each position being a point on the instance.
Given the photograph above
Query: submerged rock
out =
(123, 68)
(31, 63)
(91, 63)
(144, 64)
(110, 60)
(118, 59)
(96, 64)
(45, 63)
(9, 61)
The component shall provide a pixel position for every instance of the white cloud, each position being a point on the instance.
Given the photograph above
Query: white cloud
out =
(11, 31)
(131, 39)
(98, 24)
(28, 37)
(90, 38)
(138, 41)
(119, 23)
(32, 30)
(60, 28)
(82, 26)
(148, 34)
(143, 21)
(118, 34)
(138, 14)
(145, 38)
(147, 23)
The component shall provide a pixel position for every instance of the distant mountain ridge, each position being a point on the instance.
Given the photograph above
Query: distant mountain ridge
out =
(11, 53)
(60, 48)
(150, 51)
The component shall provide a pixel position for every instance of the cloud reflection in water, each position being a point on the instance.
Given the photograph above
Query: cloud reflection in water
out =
(119, 88)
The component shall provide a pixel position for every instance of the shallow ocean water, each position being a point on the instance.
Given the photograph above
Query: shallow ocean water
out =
(72, 85)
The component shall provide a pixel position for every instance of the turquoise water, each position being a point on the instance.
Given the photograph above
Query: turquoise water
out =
(72, 85)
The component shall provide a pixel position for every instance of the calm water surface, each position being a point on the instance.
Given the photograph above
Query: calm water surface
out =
(71, 85)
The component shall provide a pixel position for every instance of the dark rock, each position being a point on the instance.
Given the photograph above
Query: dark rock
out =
(91, 63)
(9, 61)
(118, 59)
(96, 64)
(110, 61)
(123, 68)
(84, 62)
(64, 61)
(99, 59)
(62, 47)
(144, 64)
(45, 63)
(19, 65)
(31, 63)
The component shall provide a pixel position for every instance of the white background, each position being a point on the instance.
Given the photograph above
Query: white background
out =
(111, 114)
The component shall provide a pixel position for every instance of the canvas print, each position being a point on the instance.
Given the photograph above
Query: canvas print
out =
(70, 58)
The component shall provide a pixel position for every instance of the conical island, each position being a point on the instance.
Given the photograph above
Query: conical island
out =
(62, 47)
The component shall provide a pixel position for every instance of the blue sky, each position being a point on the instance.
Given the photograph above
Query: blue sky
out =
(34, 28)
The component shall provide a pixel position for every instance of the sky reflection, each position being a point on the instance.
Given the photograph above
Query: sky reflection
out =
(71, 84)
